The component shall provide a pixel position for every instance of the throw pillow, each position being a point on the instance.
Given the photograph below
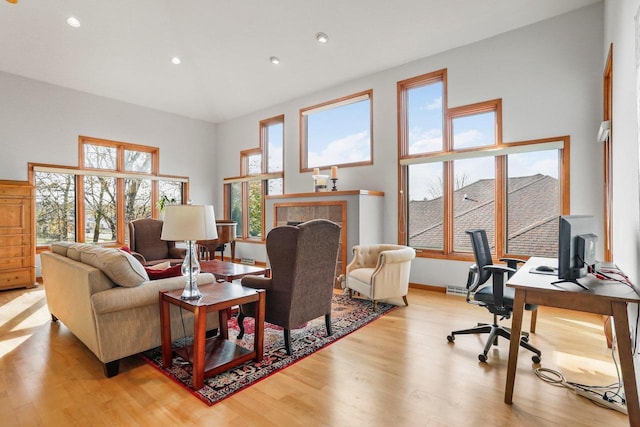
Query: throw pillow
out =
(155, 273)
(160, 266)
(122, 268)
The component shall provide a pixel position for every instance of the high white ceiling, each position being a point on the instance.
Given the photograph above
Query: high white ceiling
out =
(123, 48)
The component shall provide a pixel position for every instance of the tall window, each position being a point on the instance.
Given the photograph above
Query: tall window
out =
(337, 132)
(607, 115)
(261, 173)
(114, 184)
(55, 207)
(457, 174)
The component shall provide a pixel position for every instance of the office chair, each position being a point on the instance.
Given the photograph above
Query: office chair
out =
(497, 298)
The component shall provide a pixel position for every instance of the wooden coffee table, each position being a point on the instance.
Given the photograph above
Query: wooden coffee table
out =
(229, 271)
(212, 356)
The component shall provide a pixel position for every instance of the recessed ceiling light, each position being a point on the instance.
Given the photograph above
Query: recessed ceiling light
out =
(73, 21)
(274, 60)
(322, 38)
(176, 61)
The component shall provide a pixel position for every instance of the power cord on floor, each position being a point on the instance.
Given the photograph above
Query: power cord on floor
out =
(607, 396)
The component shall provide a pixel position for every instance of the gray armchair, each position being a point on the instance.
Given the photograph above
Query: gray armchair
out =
(146, 245)
(303, 264)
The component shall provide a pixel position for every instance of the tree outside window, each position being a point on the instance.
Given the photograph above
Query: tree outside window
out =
(115, 183)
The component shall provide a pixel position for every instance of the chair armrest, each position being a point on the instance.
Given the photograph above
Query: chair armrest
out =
(497, 274)
(396, 255)
(177, 252)
(139, 257)
(256, 282)
(512, 262)
(499, 269)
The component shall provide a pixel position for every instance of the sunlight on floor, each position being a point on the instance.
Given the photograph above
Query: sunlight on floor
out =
(19, 317)
(584, 324)
(579, 365)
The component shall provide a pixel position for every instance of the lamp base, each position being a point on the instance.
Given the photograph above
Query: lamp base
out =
(191, 293)
(190, 271)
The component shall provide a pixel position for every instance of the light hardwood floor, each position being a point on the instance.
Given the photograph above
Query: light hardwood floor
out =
(397, 371)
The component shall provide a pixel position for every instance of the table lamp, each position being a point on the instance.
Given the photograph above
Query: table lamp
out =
(190, 223)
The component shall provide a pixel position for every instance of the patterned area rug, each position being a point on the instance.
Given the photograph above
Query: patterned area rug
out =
(347, 315)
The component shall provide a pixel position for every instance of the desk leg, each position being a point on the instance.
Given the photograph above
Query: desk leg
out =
(199, 341)
(514, 343)
(233, 251)
(625, 352)
(258, 343)
(165, 331)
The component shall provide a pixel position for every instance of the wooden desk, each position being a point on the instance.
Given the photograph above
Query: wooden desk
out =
(608, 298)
(215, 355)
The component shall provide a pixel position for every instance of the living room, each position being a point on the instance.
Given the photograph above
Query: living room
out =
(549, 76)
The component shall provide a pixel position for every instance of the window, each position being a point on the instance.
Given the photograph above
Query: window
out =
(337, 132)
(55, 207)
(457, 174)
(261, 173)
(608, 157)
(114, 184)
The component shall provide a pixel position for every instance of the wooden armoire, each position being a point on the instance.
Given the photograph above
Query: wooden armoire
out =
(17, 244)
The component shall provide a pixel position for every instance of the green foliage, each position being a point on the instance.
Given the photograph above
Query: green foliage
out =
(164, 201)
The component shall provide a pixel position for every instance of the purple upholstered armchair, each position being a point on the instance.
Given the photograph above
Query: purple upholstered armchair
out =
(146, 245)
(303, 264)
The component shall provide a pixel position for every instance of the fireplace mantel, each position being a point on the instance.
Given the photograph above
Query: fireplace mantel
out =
(358, 212)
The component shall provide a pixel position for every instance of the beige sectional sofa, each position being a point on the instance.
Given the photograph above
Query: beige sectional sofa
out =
(105, 298)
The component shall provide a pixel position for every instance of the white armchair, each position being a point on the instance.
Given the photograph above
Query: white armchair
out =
(380, 271)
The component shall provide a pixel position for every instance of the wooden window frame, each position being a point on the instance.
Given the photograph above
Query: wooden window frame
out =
(607, 114)
(345, 100)
(245, 178)
(119, 173)
(448, 155)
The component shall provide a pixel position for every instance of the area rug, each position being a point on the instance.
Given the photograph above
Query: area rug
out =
(347, 315)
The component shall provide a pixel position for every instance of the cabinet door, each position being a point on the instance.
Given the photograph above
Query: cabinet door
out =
(16, 237)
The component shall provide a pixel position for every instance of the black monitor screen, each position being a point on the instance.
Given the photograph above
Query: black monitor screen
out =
(576, 246)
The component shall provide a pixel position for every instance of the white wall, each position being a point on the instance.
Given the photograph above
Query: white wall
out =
(620, 30)
(41, 123)
(548, 75)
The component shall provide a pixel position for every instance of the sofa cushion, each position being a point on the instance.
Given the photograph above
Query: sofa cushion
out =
(61, 248)
(75, 249)
(122, 268)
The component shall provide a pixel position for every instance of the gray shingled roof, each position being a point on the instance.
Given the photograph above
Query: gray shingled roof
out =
(533, 207)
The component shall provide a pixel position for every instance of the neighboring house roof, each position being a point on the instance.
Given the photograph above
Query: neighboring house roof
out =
(533, 206)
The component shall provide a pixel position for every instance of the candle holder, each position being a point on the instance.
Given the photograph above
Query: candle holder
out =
(320, 183)
(334, 188)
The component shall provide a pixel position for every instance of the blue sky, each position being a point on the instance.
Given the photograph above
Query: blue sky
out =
(339, 135)
(425, 118)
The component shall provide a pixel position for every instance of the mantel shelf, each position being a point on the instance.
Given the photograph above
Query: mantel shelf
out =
(328, 193)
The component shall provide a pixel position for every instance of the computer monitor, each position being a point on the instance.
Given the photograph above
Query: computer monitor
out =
(576, 246)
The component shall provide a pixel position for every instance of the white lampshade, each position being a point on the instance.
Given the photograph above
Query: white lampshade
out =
(189, 222)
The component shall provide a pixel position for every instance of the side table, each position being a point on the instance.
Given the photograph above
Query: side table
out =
(230, 271)
(212, 356)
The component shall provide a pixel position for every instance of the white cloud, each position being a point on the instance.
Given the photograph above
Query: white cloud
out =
(469, 138)
(350, 149)
(425, 141)
(436, 104)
